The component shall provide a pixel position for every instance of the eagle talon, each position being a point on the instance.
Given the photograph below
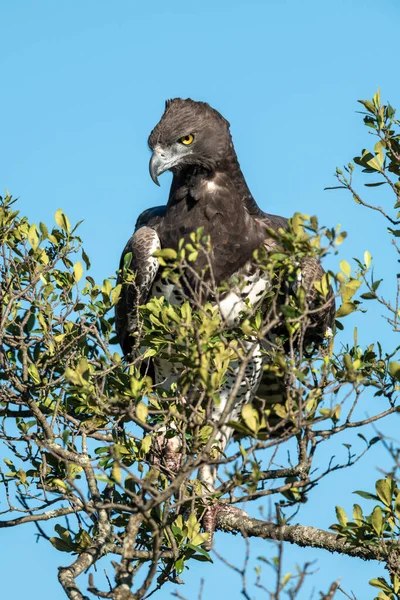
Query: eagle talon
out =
(212, 516)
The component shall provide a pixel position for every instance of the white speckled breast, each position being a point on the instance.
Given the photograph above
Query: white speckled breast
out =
(242, 296)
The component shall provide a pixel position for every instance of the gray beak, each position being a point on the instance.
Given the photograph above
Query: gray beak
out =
(156, 167)
(162, 160)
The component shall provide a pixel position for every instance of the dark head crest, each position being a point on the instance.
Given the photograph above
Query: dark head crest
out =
(182, 116)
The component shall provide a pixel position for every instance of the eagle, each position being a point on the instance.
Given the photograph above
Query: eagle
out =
(208, 191)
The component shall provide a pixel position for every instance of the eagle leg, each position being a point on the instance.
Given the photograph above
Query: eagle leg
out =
(167, 452)
(207, 476)
(208, 473)
(172, 455)
(213, 515)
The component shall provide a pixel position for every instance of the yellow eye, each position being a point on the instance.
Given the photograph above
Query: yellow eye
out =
(187, 139)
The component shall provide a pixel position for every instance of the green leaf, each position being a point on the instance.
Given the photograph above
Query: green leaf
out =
(179, 565)
(200, 550)
(348, 363)
(34, 373)
(43, 230)
(193, 526)
(199, 558)
(64, 534)
(166, 253)
(374, 164)
(397, 506)
(85, 259)
(60, 484)
(379, 152)
(250, 417)
(83, 540)
(127, 260)
(340, 238)
(367, 258)
(116, 474)
(377, 98)
(395, 232)
(78, 271)
(60, 545)
(142, 411)
(345, 309)
(146, 444)
(394, 369)
(33, 236)
(368, 105)
(149, 352)
(358, 514)
(348, 290)
(205, 433)
(199, 538)
(341, 516)
(115, 294)
(376, 284)
(62, 220)
(384, 491)
(390, 111)
(345, 267)
(74, 376)
(106, 287)
(381, 584)
(377, 520)
(286, 578)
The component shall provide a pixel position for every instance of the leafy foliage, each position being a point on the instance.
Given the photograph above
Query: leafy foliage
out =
(85, 430)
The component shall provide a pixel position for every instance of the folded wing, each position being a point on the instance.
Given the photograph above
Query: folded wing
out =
(138, 269)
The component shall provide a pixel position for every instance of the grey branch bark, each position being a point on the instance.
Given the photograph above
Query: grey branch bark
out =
(302, 535)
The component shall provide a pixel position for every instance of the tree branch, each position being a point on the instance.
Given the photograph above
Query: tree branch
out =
(51, 514)
(301, 535)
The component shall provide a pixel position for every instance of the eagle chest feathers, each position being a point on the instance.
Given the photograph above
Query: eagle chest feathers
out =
(231, 261)
(231, 304)
(247, 289)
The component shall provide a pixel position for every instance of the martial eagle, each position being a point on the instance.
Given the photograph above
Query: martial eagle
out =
(208, 190)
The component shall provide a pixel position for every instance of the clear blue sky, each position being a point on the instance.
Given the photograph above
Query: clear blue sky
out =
(83, 83)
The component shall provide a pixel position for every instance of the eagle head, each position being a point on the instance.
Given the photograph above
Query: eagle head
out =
(188, 134)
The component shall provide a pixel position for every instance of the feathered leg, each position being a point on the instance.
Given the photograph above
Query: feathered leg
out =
(167, 447)
(246, 392)
(167, 451)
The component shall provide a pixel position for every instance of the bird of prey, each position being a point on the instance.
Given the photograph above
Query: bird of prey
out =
(208, 190)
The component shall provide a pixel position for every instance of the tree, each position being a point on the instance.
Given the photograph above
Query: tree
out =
(82, 426)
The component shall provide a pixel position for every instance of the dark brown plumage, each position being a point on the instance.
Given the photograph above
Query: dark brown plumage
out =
(208, 190)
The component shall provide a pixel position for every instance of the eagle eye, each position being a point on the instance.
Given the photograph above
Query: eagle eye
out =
(187, 139)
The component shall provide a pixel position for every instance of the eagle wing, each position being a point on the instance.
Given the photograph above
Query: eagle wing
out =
(272, 390)
(144, 266)
(322, 316)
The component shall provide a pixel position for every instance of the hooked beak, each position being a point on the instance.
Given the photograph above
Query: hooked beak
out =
(161, 160)
(156, 167)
